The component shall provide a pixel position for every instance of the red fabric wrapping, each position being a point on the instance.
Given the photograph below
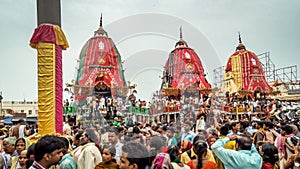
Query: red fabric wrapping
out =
(253, 75)
(58, 90)
(43, 33)
(100, 65)
(47, 33)
(186, 71)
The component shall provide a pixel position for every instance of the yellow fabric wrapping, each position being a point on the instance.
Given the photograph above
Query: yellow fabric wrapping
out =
(237, 71)
(61, 39)
(46, 88)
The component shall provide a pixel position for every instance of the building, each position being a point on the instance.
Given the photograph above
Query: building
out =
(28, 110)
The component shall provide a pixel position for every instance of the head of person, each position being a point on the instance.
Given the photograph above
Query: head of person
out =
(23, 158)
(113, 136)
(88, 136)
(244, 125)
(9, 145)
(170, 132)
(187, 126)
(295, 129)
(108, 153)
(76, 138)
(286, 130)
(136, 131)
(71, 121)
(66, 144)
(146, 133)
(30, 155)
(243, 142)
(211, 140)
(186, 145)
(224, 131)
(21, 121)
(200, 148)
(173, 151)
(177, 129)
(156, 143)
(268, 125)
(269, 153)
(48, 150)
(20, 145)
(134, 156)
(202, 133)
(121, 131)
(235, 126)
(162, 161)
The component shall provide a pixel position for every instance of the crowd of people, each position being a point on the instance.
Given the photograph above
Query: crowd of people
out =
(198, 139)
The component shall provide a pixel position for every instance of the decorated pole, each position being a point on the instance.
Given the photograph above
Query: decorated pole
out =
(49, 40)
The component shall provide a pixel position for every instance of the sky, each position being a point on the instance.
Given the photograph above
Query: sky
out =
(145, 32)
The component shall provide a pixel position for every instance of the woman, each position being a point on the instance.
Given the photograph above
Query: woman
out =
(269, 154)
(211, 140)
(201, 162)
(162, 161)
(186, 145)
(20, 145)
(22, 160)
(108, 158)
(173, 151)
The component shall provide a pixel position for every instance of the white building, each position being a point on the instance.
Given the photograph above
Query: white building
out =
(30, 108)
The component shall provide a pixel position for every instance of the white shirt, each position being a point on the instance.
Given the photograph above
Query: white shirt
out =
(118, 147)
(89, 157)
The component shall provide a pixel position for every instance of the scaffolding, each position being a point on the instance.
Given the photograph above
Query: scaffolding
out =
(218, 76)
(285, 75)
(268, 66)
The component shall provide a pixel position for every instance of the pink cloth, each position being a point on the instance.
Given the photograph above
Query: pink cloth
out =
(43, 33)
(58, 90)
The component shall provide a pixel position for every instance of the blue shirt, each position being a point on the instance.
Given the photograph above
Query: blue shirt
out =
(188, 136)
(67, 162)
(241, 159)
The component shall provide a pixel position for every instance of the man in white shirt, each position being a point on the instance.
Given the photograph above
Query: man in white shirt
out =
(113, 138)
(90, 155)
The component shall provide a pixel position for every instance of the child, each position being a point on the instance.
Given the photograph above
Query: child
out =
(108, 158)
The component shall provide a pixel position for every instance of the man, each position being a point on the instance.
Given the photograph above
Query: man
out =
(9, 152)
(113, 138)
(187, 134)
(235, 129)
(76, 145)
(48, 151)
(178, 134)
(116, 123)
(121, 133)
(290, 139)
(67, 161)
(19, 131)
(134, 156)
(171, 137)
(104, 135)
(90, 155)
(229, 145)
(246, 156)
(67, 128)
(259, 135)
